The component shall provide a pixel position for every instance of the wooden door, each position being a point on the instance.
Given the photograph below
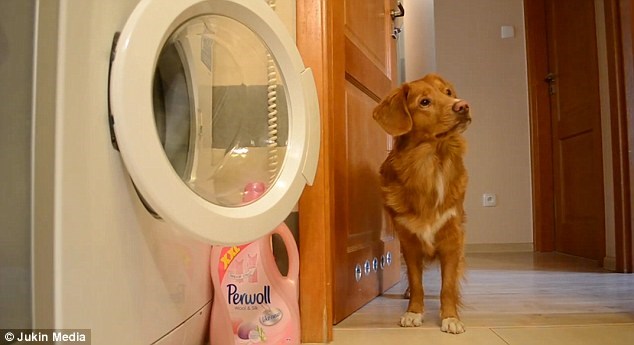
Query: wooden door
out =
(576, 127)
(366, 258)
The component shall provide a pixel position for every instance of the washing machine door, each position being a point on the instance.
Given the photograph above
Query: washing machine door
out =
(214, 114)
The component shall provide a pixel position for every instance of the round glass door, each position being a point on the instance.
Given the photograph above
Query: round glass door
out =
(215, 116)
(220, 110)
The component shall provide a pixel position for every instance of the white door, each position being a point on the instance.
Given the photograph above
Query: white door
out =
(215, 116)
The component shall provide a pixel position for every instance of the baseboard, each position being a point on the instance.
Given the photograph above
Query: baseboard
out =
(498, 247)
(609, 263)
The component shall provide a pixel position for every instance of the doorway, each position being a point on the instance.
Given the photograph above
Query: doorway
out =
(574, 87)
(314, 36)
(617, 241)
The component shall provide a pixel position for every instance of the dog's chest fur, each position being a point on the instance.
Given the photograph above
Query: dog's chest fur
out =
(424, 185)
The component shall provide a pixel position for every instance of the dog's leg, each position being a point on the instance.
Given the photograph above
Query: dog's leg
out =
(451, 265)
(412, 253)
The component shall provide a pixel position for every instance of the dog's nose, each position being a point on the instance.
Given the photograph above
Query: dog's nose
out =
(461, 107)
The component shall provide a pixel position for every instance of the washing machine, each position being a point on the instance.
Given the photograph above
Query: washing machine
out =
(152, 120)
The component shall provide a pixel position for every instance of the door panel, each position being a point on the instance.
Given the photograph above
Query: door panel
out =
(361, 21)
(576, 116)
(369, 47)
(364, 73)
(364, 238)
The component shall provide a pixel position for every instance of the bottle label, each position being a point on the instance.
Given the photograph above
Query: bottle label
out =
(258, 313)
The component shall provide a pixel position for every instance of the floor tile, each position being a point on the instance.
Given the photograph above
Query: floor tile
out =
(569, 335)
(516, 289)
(418, 336)
(509, 299)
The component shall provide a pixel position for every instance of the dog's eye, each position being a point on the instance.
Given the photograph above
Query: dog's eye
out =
(425, 102)
(449, 93)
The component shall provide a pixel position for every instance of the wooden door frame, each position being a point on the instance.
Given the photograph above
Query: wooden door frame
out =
(316, 206)
(619, 29)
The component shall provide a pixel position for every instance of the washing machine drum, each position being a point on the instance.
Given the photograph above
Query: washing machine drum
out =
(214, 114)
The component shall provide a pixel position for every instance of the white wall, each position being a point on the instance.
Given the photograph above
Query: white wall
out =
(490, 72)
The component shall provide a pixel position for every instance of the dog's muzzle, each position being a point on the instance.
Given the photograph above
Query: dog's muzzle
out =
(461, 107)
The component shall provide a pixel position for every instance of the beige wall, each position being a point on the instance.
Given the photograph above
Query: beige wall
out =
(462, 41)
(418, 37)
(490, 72)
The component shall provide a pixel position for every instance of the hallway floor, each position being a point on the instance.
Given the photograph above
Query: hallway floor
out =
(512, 299)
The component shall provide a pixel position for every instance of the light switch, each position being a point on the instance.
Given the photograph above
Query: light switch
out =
(507, 31)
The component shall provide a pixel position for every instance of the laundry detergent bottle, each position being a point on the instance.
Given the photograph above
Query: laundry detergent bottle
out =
(253, 302)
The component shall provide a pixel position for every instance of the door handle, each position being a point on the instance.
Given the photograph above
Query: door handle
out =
(396, 13)
(550, 77)
(399, 12)
(396, 32)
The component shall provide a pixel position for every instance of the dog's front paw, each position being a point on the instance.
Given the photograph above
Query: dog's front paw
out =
(410, 319)
(452, 325)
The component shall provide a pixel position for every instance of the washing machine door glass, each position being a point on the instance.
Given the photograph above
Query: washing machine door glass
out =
(215, 116)
(220, 110)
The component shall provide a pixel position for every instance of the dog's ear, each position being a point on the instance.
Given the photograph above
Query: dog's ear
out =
(392, 113)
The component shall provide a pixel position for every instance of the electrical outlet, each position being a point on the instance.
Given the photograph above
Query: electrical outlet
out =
(489, 200)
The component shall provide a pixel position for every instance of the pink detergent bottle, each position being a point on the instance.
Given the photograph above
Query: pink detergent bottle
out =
(253, 303)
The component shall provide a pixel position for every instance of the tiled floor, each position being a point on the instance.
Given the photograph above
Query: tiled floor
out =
(512, 299)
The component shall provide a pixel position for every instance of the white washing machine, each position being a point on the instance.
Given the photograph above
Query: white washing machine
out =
(143, 149)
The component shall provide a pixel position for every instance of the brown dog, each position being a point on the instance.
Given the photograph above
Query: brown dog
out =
(423, 181)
